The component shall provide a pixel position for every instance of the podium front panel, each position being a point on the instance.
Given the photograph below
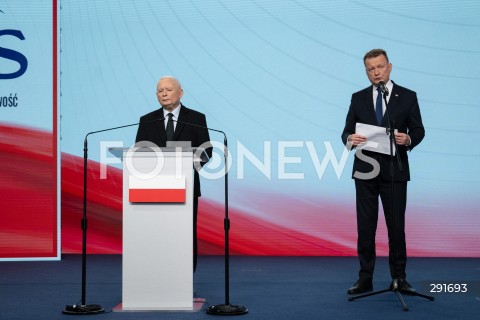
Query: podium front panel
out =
(157, 236)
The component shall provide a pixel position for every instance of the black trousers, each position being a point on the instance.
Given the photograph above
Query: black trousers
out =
(367, 199)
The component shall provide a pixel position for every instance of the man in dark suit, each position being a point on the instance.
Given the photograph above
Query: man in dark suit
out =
(185, 125)
(371, 183)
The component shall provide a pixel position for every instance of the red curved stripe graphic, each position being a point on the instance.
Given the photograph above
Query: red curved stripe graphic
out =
(249, 235)
(267, 223)
(28, 219)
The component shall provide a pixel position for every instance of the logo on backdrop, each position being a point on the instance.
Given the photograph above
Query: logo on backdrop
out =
(11, 99)
(9, 54)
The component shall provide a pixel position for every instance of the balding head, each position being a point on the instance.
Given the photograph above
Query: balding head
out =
(169, 92)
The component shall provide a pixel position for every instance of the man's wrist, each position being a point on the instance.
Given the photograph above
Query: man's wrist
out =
(408, 142)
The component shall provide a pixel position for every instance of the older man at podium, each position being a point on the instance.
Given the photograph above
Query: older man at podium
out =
(176, 123)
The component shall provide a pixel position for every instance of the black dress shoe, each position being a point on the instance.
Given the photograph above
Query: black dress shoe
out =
(361, 287)
(405, 287)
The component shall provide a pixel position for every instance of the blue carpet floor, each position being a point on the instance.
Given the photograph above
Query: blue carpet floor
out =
(277, 288)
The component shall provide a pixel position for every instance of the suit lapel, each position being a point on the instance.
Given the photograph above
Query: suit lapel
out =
(183, 116)
(392, 105)
(162, 132)
(370, 106)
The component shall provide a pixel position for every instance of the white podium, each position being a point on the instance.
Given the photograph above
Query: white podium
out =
(157, 229)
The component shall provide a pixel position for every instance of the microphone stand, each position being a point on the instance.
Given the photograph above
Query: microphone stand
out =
(227, 308)
(394, 286)
(84, 308)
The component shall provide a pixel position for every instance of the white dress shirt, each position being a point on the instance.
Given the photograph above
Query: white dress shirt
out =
(175, 112)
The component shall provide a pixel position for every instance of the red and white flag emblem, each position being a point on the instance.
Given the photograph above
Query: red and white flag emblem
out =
(157, 189)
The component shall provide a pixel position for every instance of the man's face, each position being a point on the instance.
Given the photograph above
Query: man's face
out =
(378, 69)
(169, 93)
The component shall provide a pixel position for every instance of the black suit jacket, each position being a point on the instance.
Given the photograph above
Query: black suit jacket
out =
(155, 132)
(405, 114)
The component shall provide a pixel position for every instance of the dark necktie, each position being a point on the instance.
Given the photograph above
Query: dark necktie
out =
(378, 106)
(169, 129)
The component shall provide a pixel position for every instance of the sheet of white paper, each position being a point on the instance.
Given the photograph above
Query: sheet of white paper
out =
(377, 138)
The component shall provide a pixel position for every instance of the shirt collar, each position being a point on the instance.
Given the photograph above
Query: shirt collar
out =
(175, 112)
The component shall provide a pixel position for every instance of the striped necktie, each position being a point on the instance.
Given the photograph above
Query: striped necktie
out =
(378, 107)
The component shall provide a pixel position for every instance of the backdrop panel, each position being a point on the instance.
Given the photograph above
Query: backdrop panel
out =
(29, 161)
(277, 76)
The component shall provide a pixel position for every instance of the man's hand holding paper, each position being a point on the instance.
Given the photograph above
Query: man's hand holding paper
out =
(371, 138)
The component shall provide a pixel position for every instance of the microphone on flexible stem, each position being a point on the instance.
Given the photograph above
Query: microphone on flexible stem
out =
(390, 129)
(227, 308)
(83, 308)
(383, 88)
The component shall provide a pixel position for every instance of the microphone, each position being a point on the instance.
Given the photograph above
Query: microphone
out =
(226, 308)
(203, 127)
(383, 87)
(85, 308)
(124, 126)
